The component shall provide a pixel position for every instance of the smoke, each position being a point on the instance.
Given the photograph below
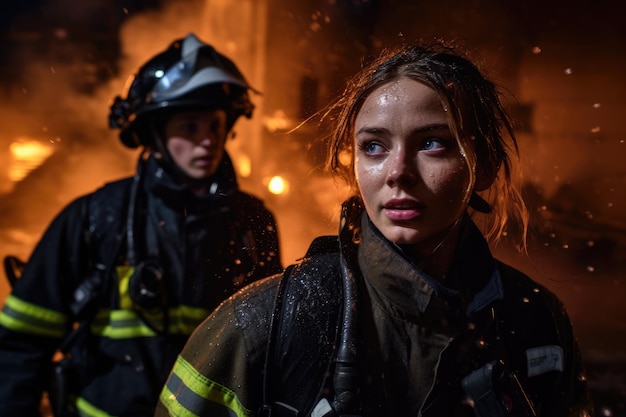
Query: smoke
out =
(60, 102)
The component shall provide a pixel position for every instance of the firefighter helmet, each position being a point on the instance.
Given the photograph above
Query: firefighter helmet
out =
(188, 74)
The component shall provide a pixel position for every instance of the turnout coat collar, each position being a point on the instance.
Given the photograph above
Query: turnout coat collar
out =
(410, 322)
(472, 284)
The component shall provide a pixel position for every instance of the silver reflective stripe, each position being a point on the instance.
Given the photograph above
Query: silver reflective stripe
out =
(194, 403)
(322, 408)
(544, 359)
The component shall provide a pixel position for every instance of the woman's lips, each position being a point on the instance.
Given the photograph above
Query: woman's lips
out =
(399, 210)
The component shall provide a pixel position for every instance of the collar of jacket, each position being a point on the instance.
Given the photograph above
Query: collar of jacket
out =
(222, 186)
(474, 280)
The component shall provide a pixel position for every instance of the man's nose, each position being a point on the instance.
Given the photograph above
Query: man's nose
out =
(402, 170)
(207, 139)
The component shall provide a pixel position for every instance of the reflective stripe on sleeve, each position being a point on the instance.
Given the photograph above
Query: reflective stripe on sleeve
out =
(189, 394)
(22, 316)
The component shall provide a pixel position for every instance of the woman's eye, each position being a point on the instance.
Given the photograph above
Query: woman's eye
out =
(372, 148)
(433, 144)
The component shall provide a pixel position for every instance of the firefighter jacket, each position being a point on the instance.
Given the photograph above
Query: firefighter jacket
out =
(418, 344)
(138, 264)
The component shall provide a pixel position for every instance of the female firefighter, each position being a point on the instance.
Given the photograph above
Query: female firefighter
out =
(123, 275)
(406, 312)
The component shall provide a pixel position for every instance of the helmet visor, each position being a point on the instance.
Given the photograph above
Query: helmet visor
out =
(196, 70)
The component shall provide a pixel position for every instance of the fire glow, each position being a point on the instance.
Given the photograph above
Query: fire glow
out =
(26, 156)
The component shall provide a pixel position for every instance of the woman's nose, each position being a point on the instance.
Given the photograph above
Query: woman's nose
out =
(402, 171)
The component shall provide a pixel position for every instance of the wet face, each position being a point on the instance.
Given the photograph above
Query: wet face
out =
(195, 140)
(408, 165)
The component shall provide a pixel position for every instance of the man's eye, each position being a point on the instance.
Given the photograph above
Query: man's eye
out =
(190, 127)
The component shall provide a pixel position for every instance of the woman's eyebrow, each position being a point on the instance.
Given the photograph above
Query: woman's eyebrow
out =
(434, 126)
(368, 129)
(421, 129)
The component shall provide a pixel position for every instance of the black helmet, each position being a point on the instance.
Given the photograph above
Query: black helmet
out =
(188, 74)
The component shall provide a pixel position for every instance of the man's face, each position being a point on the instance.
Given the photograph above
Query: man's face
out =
(195, 140)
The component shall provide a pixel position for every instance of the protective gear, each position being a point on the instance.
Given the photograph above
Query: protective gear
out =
(208, 247)
(417, 339)
(188, 74)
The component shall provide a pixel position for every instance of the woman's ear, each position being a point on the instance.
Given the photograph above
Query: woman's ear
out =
(484, 179)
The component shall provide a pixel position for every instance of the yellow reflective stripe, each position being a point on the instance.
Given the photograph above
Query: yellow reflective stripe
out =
(193, 313)
(184, 319)
(120, 324)
(25, 317)
(124, 273)
(124, 324)
(187, 393)
(86, 409)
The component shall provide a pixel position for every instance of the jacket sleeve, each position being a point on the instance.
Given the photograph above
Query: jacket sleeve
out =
(220, 370)
(575, 397)
(542, 347)
(35, 315)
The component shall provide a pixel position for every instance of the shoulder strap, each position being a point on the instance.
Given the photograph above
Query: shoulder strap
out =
(108, 208)
(271, 345)
(105, 222)
(282, 329)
